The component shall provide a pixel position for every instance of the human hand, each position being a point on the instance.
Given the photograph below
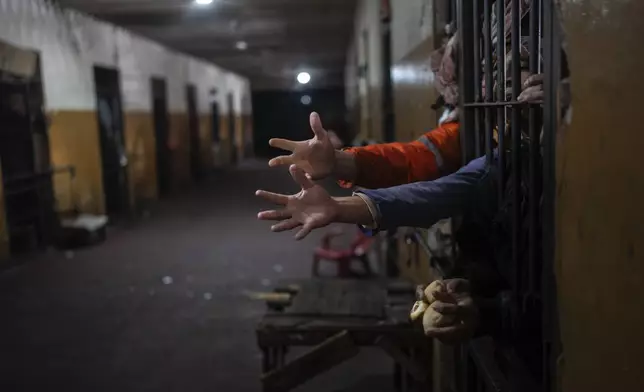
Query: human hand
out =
(310, 208)
(457, 307)
(532, 89)
(315, 156)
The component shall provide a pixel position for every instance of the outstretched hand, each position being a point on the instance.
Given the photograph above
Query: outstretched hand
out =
(311, 208)
(315, 156)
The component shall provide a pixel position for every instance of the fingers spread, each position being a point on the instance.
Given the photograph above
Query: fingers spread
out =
(274, 215)
(316, 126)
(281, 161)
(285, 225)
(284, 144)
(300, 177)
(272, 197)
(306, 230)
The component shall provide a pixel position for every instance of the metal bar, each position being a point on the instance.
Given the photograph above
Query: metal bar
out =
(500, 85)
(487, 36)
(476, 52)
(533, 127)
(552, 63)
(466, 76)
(502, 104)
(515, 153)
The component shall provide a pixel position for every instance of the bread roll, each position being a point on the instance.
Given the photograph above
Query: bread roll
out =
(435, 286)
(434, 319)
(418, 309)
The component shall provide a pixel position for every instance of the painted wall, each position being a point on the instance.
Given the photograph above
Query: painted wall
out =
(413, 25)
(70, 44)
(600, 188)
(363, 93)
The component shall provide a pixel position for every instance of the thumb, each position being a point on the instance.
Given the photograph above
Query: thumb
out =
(316, 126)
(300, 177)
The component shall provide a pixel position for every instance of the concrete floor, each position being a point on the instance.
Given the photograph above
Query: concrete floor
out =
(161, 305)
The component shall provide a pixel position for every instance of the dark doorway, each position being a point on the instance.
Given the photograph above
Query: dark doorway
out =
(26, 171)
(232, 139)
(113, 156)
(269, 120)
(160, 113)
(214, 125)
(388, 122)
(193, 125)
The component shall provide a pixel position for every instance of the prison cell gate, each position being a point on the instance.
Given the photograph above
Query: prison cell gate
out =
(522, 354)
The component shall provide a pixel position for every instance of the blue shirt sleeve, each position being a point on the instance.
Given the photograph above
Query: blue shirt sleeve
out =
(422, 204)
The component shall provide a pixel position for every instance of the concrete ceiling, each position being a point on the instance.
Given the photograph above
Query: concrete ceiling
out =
(283, 36)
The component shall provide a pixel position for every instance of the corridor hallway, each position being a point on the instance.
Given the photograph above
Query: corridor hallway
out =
(161, 305)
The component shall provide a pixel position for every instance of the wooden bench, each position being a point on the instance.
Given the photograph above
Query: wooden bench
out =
(336, 317)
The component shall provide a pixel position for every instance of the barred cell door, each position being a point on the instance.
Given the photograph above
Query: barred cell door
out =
(514, 126)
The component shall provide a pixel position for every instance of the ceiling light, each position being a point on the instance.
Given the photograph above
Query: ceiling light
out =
(203, 2)
(241, 45)
(303, 77)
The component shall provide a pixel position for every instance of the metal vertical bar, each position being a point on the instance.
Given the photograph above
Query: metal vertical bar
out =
(500, 86)
(466, 76)
(476, 49)
(515, 169)
(533, 131)
(552, 64)
(489, 81)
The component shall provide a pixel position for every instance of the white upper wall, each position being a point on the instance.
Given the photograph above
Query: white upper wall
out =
(411, 23)
(71, 43)
(367, 20)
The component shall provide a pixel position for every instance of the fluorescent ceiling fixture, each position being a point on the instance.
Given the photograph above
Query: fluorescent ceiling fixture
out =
(203, 2)
(306, 100)
(303, 77)
(241, 45)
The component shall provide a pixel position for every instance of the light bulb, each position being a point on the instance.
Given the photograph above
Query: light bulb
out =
(303, 77)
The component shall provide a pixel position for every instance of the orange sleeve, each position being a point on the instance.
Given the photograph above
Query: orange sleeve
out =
(435, 154)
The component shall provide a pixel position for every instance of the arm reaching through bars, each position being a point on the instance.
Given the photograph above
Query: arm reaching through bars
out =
(312, 207)
(415, 205)
(433, 155)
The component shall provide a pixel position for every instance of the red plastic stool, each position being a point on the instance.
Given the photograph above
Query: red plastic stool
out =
(344, 257)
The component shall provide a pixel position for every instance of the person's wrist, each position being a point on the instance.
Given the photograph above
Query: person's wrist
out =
(352, 209)
(344, 166)
(336, 210)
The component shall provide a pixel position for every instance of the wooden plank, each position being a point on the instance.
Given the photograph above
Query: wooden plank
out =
(321, 358)
(336, 297)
